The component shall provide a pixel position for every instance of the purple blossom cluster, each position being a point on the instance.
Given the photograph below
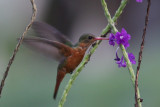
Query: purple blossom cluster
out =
(122, 63)
(121, 38)
(139, 1)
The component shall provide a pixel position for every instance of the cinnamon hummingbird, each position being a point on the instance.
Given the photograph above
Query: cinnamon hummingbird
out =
(68, 54)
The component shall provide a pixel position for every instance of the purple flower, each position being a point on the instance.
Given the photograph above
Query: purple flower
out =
(131, 58)
(117, 58)
(122, 62)
(112, 39)
(139, 1)
(122, 38)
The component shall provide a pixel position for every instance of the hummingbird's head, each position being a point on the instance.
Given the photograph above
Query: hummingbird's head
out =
(86, 40)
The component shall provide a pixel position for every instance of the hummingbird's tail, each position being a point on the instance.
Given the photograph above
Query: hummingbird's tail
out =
(60, 76)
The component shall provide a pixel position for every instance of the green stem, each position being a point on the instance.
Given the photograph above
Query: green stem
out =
(116, 16)
(87, 57)
(131, 71)
(108, 16)
(129, 65)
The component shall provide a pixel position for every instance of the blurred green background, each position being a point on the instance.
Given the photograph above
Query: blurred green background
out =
(31, 79)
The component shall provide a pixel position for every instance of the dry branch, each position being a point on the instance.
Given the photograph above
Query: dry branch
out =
(18, 45)
(140, 54)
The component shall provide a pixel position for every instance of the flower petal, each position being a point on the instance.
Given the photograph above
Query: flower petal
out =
(139, 1)
(131, 58)
(122, 38)
(123, 31)
(112, 39)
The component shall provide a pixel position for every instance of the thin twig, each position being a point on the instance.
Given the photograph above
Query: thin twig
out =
(18, 45)
(140, 55)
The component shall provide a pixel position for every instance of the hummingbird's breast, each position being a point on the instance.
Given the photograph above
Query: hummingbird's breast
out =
(74, 60)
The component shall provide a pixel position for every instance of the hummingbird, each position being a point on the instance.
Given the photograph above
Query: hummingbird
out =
(52, 42)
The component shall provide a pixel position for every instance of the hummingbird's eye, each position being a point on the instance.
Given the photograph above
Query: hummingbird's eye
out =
(90, 37)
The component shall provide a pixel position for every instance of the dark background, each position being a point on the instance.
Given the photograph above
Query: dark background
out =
(31, 79)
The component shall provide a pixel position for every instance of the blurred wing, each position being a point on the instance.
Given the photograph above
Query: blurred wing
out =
(50, 48)
(44, 30)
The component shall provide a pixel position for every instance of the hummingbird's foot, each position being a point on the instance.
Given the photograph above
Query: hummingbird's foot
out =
(71, 72)
(93, 44)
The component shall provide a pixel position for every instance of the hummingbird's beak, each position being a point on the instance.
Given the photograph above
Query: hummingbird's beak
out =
(100, 38)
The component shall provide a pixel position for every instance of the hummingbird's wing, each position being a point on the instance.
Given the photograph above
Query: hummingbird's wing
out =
(48, 47)
(44, 30)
